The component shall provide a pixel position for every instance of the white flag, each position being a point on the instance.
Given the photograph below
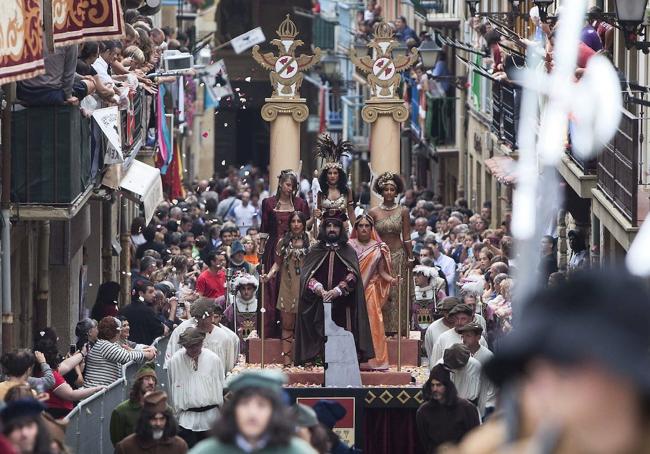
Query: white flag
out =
(216, 80)
(247, 40)
(109, 122)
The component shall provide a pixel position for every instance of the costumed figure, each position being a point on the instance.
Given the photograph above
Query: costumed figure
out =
(206, 314)
(331, 274)
(241, 316)
(333, 182)
(393, 225)
(290, 253)
(375, 266)
(429, 290)
(276, 212)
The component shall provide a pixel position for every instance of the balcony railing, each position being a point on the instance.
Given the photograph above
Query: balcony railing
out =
(506, 102)
(587, 166)
(355, 129)
(57, 152)
(437, 9)
(440, 121)
(618, 166)
(51, 160)
(323, 33)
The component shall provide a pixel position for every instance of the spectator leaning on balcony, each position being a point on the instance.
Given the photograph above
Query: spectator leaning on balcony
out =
(57, 86)
(125, 416)
(106, 358)
(403, 32)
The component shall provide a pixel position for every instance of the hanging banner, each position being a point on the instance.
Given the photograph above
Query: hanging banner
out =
(78, 20)
(21, 40)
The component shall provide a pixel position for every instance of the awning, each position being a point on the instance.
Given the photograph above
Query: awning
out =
(503, 168)
(143, 182)
(21, 40)
(79, 20)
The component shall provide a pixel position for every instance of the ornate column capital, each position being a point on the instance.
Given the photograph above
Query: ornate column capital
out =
(297, 108)
(286, 70)
(373, 109)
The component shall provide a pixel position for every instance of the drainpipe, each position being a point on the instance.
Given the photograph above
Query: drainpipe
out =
(125, 255)
(43, 295)
(5, 216)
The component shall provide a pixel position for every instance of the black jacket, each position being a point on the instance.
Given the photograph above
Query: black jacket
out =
(145, 325)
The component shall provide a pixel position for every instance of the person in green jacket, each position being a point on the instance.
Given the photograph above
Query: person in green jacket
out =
(255, 419)
(125, 416)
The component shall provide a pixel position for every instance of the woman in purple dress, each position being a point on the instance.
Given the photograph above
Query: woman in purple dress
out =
(276, 213)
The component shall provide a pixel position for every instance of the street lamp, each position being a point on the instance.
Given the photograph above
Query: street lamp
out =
(429, 51)
(473, 6)
(630, 15)
(360, 47)
(330, 65)
(543, 5)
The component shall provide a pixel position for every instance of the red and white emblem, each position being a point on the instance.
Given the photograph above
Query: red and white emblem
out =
(383, 68)
(286, 67)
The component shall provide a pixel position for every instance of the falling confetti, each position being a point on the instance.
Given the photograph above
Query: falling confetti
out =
(237, 89)
(205, 134)
(225, 125)
(248, 79)
(223, 163)
(90, 284)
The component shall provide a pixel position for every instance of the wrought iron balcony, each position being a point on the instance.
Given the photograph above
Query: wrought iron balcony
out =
(618, 168)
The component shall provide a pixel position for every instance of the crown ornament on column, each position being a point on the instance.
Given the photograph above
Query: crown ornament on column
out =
(383, 67)
(286, 69)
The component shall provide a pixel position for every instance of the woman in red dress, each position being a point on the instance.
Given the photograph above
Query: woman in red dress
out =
(276, 212)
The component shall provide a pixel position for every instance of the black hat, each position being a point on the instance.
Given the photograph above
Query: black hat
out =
(329, 412)
(596, 316)
(21, 408)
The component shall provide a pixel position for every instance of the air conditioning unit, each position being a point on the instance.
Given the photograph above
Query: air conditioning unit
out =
(176, 61)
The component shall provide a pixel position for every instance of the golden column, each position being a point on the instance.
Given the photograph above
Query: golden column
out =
(285, 109)
(384, 110)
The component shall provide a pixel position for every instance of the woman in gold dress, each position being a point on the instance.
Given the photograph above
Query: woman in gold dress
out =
(335, 194)
(394, 227)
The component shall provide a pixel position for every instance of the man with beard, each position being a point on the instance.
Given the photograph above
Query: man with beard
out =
(444, 417)
(331, 275)
(125, 415)
(155, 431)
(241, 316)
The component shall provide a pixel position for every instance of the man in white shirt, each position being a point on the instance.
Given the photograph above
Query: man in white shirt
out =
(466, 372)
(462, 314)
(471, 335)
(447, 265)
(217, 340)
(196, 382)
(445, 323)
(246, 215)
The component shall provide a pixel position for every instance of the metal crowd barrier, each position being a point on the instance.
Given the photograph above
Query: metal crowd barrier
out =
(89, 422)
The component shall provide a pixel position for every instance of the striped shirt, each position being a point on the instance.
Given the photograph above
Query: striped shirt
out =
(104, 363)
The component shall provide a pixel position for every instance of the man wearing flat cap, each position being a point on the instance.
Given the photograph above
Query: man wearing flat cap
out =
(217, 339)
(445, 323)
(566, 392)
(331, 274)
(465, 372)
(155, 430)
(196, 382)
(462, 314)
(125, 416)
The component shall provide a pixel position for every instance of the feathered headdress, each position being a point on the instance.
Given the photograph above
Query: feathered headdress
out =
(331, 152)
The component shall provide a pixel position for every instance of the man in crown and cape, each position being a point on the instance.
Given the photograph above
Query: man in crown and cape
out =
(331, 274)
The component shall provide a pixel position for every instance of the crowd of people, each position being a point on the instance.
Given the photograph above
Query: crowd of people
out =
(207, 267)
